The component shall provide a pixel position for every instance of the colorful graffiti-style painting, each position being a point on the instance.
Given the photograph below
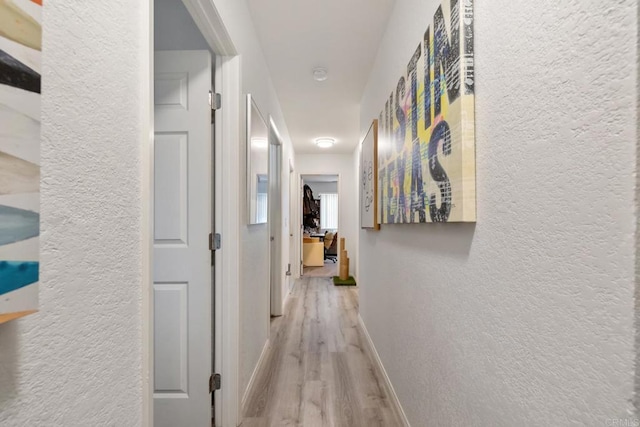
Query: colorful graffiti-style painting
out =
(20, 70)
(426, 149)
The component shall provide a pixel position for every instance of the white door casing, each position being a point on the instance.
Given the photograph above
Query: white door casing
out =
(300, 244)
(275, 220)
(182, 288)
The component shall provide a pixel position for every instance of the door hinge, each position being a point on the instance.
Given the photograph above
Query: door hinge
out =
(215, 241)
(215, 102)
(214, 382)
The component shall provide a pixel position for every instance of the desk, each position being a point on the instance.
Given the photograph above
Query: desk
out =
(313, 254)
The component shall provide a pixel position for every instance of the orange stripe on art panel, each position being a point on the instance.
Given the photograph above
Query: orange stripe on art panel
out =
(37, 2)
(10, 316)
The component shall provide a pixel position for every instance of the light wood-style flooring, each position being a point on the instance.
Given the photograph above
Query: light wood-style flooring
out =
(318, 370)
(329, 269)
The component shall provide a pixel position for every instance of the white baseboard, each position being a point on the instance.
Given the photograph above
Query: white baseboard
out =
(254, 375)
(387, 382)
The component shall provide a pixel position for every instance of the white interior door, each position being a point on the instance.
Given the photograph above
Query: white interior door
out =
(182, 223)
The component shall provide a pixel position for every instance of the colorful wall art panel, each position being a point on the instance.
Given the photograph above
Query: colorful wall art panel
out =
(426, 150)
(20, 70)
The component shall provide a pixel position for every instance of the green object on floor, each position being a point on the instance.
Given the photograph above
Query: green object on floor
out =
(349, 282)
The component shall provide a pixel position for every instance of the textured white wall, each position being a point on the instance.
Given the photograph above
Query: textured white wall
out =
(527, 317)
(78, 361)
(254, 262)
(336, 164)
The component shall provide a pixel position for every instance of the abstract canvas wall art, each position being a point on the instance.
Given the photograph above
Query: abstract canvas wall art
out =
(20, 69)
(426, 148)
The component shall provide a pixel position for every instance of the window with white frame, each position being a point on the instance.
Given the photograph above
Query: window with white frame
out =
(261, 208)
(329, 211)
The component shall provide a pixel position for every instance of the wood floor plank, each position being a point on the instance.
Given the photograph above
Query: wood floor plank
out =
(316, 409)
(313, 366)
(366, 384)
(377, 417)
(329, 269)
(347, 407)
(318, 370)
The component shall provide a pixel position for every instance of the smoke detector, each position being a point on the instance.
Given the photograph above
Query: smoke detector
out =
(319, 74)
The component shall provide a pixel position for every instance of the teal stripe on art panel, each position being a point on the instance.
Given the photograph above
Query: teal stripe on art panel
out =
(17, 274)
(17, 225)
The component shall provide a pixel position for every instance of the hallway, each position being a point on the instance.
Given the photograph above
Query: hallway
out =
(318, 370)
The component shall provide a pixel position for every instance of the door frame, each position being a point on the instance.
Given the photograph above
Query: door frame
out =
(299, 234)
(276, 272)
(293, 226)
(226, 201)
(300, 227)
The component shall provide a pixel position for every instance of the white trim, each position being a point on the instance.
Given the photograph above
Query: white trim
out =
(146, 216)
(293, 215)
(208, 20)
(298, 233)
(395, 403)
(276, 272)
(340, 230)
(227, 205)
(254, 375)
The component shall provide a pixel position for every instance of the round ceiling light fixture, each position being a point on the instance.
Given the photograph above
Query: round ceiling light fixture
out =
(325, 142)
(319, 74)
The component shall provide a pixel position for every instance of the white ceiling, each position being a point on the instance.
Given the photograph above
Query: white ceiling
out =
(340, 35)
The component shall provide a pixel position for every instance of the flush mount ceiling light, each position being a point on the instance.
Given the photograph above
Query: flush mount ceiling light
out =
(259, 142)
(319, 74)
(325, 142)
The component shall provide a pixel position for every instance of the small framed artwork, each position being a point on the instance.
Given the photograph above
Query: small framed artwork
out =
(369, 179)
